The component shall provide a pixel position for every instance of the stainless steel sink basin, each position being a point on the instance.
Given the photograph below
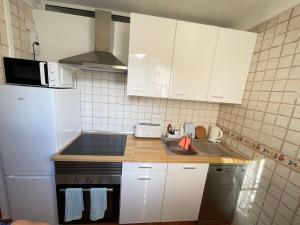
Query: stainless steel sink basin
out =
(196, 148)
(172, 146)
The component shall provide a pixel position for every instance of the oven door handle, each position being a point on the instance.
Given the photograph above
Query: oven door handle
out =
(42, 73)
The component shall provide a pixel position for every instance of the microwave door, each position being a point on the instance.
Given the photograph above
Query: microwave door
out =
(25, 72)
(42, 73)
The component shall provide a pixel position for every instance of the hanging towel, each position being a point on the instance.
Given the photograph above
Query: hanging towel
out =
(73, 204)
(98, 203)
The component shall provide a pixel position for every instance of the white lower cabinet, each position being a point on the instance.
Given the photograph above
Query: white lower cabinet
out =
(183, 191)
(142, 192)
(160, 192)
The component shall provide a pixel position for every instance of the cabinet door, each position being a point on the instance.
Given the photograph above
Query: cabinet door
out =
(192, 61)
(183, 192)
(231, 65)
(141, 197)
(150, 55)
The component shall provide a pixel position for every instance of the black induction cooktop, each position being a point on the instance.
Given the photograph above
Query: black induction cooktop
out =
(97, 144)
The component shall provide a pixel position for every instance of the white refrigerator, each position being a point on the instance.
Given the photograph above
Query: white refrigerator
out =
(34, 124)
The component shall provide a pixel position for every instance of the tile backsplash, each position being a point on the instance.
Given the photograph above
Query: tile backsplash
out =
(266, 126)
(105, 105)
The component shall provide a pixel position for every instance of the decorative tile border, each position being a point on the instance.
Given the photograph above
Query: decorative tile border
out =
(268, 152)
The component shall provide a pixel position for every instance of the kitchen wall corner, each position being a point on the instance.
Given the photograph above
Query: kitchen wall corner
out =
(266, 126)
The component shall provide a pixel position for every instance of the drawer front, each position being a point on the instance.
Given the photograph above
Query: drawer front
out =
(186, 168)
(144, 167)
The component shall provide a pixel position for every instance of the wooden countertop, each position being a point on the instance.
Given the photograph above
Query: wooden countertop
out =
(151, 150)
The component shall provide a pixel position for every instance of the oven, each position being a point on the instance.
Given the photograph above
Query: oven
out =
(86, 176)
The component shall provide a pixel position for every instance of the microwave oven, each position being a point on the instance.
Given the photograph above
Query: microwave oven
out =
(37, 73)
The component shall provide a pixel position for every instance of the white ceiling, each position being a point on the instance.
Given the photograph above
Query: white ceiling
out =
(242, 14)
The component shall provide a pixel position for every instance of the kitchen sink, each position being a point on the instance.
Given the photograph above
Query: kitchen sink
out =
(172, 146)
(196, 148)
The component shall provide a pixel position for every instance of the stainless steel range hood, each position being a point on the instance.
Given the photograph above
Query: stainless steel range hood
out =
(101, 59)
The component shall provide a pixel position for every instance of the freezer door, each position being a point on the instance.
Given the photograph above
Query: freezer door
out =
(27, 130)
(32, 198)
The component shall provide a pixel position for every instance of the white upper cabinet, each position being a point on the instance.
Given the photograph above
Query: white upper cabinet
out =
(192, 61)
(150, 55)
(232, 61)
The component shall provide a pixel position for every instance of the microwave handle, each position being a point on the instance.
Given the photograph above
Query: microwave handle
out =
(42, 73)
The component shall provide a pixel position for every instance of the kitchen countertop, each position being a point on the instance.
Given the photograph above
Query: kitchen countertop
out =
(151, 150)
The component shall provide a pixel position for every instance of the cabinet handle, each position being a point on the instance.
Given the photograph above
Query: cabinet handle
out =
(138, 89)
(189, 168)
(144, 178)
(145, 167)
(217, 96)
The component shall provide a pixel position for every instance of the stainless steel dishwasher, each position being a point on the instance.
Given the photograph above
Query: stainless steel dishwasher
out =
(222, 188)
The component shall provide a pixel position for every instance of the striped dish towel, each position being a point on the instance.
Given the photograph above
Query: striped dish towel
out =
(98, 203)
(73, 204)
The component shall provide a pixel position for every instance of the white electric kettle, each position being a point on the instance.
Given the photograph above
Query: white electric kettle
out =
(215, 134)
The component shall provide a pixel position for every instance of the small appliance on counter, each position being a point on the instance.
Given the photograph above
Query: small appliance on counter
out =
(215, 134)
(37, 73)
(148, 130)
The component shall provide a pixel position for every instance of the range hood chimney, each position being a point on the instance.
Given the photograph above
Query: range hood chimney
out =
(101, 59)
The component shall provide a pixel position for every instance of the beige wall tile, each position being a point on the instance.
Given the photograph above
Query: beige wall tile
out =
(264, 55)
(297, 112)
(272, 108)
(285, 61)
(292, 85)
(296, 61)
(295, 124)
(291, 36)
(281, 28)
(293, 137)
(279, 39)
(286, 110)
(294, 23)
(289, 97)
(279, 132)
(284, 15)
(289, 49)
(282, 121)
(270, 75)
(266, 44)
(269, 33)
(272, 64)
(276, 97)
(289, 149)
(279, 85)
(275, 52)
(294, 72)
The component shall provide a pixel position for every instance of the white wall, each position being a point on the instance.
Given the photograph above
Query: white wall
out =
(63, 35)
